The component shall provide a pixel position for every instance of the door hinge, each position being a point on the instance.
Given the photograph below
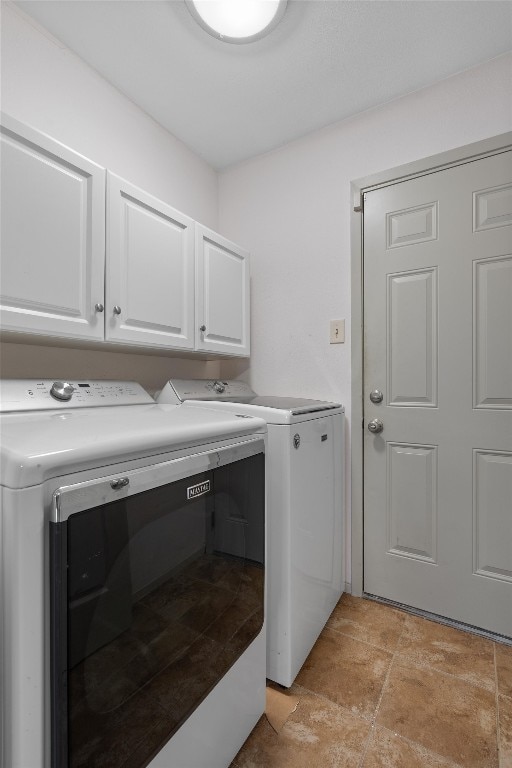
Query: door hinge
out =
(358, 202)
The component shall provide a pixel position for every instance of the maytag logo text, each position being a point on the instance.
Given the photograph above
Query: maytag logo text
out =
(199, 489)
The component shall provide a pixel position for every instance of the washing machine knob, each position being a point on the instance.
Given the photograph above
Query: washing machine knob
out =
(219, 387)
(62, 390)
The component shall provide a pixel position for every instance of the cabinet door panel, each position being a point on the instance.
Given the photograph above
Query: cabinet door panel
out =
(150, 269)
(53, 236)
(222, 301)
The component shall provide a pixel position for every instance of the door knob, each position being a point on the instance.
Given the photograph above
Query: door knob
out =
(202, 328)
(376, 396)
(117, 310)
(99, 307)
(375, 426)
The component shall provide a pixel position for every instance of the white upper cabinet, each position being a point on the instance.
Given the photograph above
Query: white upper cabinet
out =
(134, 272)
(222, 295)
(149, 270)
(53, 237)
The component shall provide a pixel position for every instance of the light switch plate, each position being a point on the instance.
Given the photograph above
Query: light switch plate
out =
(337, 332)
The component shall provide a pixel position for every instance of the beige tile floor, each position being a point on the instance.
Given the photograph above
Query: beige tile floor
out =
(384, 689)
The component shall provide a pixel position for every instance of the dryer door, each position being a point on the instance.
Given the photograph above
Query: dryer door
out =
(155, 595)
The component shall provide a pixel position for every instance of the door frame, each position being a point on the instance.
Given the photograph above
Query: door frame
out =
(427, 165)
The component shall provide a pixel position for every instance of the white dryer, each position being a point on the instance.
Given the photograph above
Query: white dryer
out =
(132, 541)
(305, 520)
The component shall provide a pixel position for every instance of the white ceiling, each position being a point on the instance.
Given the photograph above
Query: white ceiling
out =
(326, 61)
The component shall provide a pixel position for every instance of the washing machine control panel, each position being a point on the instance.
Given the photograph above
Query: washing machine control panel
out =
(206, 389)
(41, 394)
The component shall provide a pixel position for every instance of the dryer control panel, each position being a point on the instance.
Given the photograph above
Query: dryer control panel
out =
(45, 394)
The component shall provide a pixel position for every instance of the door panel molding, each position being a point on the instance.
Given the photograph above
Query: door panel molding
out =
(412, 370)
(412, 501)
(492, 320)
(492, 208)
(492, 531)
(487, 147)
(412, 225)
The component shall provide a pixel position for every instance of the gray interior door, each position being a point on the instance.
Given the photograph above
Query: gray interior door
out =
(438, 346)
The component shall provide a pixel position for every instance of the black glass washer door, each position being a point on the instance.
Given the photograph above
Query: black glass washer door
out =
(154, 598)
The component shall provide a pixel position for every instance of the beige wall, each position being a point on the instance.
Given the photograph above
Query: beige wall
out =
(25, 361)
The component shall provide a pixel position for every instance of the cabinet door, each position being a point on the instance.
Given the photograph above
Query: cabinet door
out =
(53, 236)
(150, 269)
(222, 295)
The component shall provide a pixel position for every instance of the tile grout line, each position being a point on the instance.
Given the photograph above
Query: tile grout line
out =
(395, 654)
(358, 639)
(422, 747)
(412, 660)
(334, 703)
(498, 734)
(417, 665)
(367, 746)
(367, 642)
(351, 637)
(374, 718)
(369, 721)
(384, 686)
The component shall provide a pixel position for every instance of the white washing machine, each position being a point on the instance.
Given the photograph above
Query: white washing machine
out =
(132, 540)
(305, 493)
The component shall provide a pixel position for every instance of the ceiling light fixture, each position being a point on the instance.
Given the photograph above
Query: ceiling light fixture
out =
(237, 21)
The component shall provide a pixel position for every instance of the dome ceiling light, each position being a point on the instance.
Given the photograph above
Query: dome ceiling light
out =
(237, 21)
